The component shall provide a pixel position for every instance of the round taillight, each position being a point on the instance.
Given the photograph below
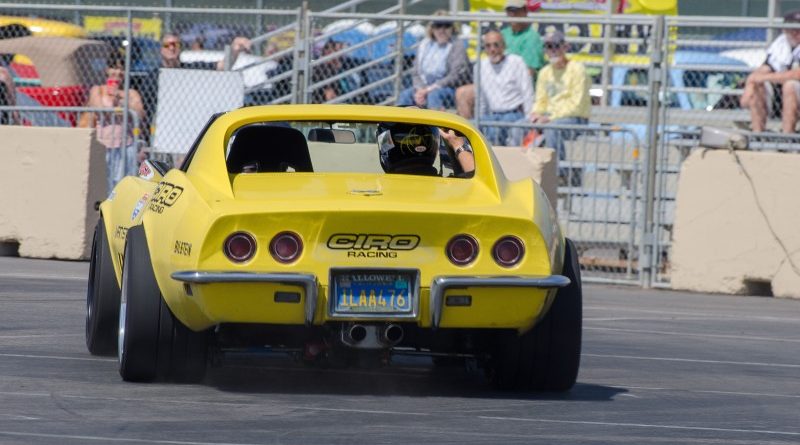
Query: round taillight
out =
(508, 251)
(462, 250)
(240, 247)
(286, 247)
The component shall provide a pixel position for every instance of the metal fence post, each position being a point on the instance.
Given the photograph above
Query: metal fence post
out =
(772, 9)
(400, 59)
(168, 17)
(657, 64)
(606, 70)
(476, 81)
(127, 81)
(302, 46)
(77, 14)
(259, 26)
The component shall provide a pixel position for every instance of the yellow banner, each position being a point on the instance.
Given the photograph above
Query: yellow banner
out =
(117, 25)
(665, 7)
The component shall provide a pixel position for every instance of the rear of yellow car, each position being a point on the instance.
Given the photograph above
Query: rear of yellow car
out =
(368, 266)
(347, 268)
(409, 237)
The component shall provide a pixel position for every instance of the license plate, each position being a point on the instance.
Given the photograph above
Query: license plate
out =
(373, 292)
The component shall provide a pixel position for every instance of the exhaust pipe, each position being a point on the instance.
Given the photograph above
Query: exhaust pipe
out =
(357, 333)
(392, 334)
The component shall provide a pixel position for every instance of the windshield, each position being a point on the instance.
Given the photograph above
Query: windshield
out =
(350, 147)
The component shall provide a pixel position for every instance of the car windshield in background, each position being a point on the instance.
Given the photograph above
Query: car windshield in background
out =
(350, 147)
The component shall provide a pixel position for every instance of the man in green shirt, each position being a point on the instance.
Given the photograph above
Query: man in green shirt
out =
(521, 39)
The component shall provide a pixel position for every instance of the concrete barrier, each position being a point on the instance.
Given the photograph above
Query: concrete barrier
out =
(731, 235)
(52, 178)
(536, 163)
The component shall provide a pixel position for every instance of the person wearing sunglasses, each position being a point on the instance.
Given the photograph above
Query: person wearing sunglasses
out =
(170, 51)
(506, 90)
(121, 146)
(562, 95)
(440, 66)
(521, 39)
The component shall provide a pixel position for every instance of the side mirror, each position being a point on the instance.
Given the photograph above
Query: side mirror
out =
(152, 170)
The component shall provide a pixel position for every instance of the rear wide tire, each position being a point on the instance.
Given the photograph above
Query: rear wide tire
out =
(102, 297)
(547, 357)
(154, 344)
(139, 311)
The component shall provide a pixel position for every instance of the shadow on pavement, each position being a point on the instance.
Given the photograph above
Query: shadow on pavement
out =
(419, 377)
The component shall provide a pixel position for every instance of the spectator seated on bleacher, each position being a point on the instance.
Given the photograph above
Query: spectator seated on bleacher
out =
(562, 97)
(520, 39)
(335, 66)
(773, 89)
(441, 66)
(506, 91)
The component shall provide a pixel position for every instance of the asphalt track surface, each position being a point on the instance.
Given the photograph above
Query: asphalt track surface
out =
(658, 368)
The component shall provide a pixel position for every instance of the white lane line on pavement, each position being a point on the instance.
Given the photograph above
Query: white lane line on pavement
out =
(701, 391)
(709, 315)
(362, 411)
(55, 357)
(25, 394)
(646, 425)
(689, 360)
(17, 417)
(211, 402)
(40, 336)
(42, 276)
(114, 439)
(688, 334)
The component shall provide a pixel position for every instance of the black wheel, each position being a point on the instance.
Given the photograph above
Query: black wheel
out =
(547, 357)
(102, 297)
(153, 343)
(139, 311)
(182, 353)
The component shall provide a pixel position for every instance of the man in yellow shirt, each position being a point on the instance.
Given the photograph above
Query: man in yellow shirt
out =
(562, 95)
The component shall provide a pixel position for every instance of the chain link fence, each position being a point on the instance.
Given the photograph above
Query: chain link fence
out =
(653, 82)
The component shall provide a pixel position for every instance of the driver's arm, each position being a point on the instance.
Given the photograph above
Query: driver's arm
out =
(461, 149)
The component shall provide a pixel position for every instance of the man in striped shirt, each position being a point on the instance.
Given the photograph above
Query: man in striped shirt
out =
(506, 90)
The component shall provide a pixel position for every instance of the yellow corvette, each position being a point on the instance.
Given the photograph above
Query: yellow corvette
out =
(345, 233)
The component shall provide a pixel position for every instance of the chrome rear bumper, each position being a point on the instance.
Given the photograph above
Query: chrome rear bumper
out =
(442, 284)
(309, 283)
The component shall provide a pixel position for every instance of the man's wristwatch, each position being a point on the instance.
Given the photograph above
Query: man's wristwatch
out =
(461, 149)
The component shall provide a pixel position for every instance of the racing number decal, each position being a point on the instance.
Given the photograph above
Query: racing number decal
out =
(165, 196)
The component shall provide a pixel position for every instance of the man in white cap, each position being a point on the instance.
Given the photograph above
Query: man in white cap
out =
(520, 39)
(562, 94)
